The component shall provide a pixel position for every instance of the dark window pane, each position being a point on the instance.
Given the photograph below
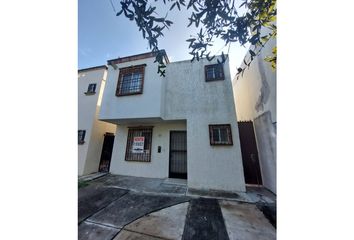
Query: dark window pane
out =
(81, 136)
(210, 73)
(214, 72)
(218, 71)
(91, 88)
(223, 135)
(130, 81)
(216, 136)
(220, 134)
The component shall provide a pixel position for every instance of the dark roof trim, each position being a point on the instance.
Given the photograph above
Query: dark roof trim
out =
(133, 66)
(137, 57)
(93, 68)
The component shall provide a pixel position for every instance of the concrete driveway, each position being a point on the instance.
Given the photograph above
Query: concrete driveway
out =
(110, 212)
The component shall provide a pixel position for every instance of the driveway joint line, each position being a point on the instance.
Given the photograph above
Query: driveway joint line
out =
(99, 210)
(185, 220)
(145, 234)
(153, 211)
(223, 218)
(102, 224)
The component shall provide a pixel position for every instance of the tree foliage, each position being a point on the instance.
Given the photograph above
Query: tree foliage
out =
(228, 20)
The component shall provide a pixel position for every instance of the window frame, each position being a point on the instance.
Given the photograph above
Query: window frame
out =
(218, 126)
(81, 141)
(138, 157)
(130, 70)
(91, 92)
(212, 66)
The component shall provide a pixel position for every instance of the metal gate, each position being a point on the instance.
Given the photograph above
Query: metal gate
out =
(178, 154)
(249, 152)
(106, 152)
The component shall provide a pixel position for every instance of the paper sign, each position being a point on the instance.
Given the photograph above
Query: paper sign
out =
(138, 145)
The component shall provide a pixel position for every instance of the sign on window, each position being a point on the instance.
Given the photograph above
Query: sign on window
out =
(138, 145)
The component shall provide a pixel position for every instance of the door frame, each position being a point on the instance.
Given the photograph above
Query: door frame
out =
(171, 174)
(107, 134)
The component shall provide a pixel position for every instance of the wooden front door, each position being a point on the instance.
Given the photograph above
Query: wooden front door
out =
(178, 154)
(106, 154)
(249, 152)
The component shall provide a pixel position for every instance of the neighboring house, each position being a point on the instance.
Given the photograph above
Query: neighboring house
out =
(92, 133)
(180, 126)
(255, 100)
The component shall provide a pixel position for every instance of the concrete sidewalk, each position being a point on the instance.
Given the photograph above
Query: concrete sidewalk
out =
(178, 187)
(109, 209)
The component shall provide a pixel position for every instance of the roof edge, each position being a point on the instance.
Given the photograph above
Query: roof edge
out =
(137, 57)
(93, 68)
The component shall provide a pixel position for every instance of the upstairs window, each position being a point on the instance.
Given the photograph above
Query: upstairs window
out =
(131, 80)
(81, 136)
(220, 134)
(139, 144)
(91, 89)
(214, 72)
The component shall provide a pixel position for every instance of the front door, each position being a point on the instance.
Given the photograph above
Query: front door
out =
(249, 152)
(106, 152)
(178, 154)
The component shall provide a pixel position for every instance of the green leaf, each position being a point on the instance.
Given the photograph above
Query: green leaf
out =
(119, 13)
(223, 59)
(168, 22)
(179, 7)
(195, 8)
(242, 4)
(159, 19)
(173, 5)
(209, 59)
(190, 40)
(252, 53)
(190, 3)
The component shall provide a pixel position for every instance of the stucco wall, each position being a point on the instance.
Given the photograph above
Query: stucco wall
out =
(188, 96)
(99, 128)
(159, 165)
(146, 105)
(266, 141)
(255, 91)
(88, 108)
(255, 100)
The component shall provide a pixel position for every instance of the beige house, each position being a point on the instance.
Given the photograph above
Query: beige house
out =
(94, 136)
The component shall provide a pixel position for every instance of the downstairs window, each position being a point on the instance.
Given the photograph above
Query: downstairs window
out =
(139, 144)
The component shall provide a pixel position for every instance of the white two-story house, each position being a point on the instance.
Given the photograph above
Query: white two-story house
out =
(94, 137)
(182, 125)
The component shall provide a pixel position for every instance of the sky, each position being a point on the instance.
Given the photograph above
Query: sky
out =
(103, 36)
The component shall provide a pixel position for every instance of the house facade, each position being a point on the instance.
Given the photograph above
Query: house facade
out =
(255, 100)
(182, 125)
(92, 133)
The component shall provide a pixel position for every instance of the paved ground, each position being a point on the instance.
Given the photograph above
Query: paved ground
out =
(122, 208)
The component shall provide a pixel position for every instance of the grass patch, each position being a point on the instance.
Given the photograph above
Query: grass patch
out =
(83, 184)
